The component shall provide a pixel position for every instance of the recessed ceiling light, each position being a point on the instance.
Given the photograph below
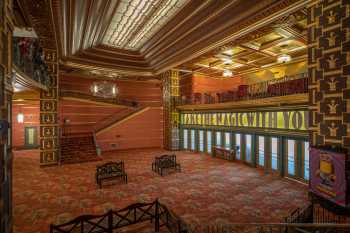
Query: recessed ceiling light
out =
(227, 61)
(227, 73)
(229, 52)
(284, 58)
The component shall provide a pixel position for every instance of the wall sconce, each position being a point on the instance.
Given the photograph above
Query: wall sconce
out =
(20, 117)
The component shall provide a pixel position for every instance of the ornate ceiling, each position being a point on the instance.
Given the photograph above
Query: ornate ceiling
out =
(256, 51)
(147, 37)
(135, 21)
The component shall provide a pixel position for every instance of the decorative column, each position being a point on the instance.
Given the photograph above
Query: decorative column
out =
(6, 31)
(329, 72)
(171, 94)
(49, 128)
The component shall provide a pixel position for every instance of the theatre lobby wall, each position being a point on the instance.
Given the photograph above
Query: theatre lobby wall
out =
(130, 133)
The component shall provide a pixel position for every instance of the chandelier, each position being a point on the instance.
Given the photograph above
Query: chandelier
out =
(104, 89)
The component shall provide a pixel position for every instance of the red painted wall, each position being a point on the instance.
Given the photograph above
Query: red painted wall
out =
(31, 111)
(202, 84)
(142, 131)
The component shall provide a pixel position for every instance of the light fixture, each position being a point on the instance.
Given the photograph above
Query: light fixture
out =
(227, 73)
(104, 89)
(284, 58)
(20, 117)
(227, 61)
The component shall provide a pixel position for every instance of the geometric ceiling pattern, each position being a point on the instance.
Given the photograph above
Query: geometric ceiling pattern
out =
(258, 52)
(148, 37)
(135, 21)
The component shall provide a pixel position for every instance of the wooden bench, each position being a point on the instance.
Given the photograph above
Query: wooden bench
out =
(110, 171)
(224, 153)
(165, 162)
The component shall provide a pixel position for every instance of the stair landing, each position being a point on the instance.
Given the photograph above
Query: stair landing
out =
(78, 148)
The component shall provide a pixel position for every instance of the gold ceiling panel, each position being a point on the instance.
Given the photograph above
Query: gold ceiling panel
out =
(136, 21)
(260, 49)
(286, 47)
(267, 38)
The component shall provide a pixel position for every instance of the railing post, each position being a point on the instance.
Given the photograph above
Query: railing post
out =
(110, 222)
(156, 222)
(51, 228)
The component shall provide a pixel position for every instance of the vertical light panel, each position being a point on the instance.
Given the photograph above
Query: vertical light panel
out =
(306, 161)
(248, 149)
(185, 139)
(228, 140)
(238, 146)
(209, 142)
(261, 156)
(201, 140)
(193, 140)
(274, 153)
(291, 157)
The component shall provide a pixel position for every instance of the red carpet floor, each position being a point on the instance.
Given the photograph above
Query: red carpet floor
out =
(208, 190)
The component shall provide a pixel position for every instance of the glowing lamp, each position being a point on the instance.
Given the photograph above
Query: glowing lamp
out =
(20, 118)
(227, 73)
(284, 58)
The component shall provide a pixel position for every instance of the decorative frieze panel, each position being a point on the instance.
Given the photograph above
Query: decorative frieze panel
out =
(171, 93)
(49, 135)
(329, 56)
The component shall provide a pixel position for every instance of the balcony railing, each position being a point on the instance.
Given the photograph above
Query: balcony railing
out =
(288, 85)
(28, 57)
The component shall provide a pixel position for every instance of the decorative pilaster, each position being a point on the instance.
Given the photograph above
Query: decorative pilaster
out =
(6, 31)
(49, 128)
(329, 72)
(171, 94)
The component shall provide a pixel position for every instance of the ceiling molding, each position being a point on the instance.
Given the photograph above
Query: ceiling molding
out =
(199, 28)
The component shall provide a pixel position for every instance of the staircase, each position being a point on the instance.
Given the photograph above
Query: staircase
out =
(78, 148)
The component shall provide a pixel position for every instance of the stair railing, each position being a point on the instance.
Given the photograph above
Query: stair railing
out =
(112, 220)
(110, 120)
(85, 96)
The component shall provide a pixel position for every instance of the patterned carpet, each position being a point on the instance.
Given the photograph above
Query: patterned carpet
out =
(207, 190)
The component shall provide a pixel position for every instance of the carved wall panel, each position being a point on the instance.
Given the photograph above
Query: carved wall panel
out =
(171, 93)
(329, 72)
(49, 136)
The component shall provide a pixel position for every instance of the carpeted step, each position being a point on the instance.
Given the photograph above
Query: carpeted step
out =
(77, 148)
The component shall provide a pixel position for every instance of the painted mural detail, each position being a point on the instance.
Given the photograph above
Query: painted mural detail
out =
(291, 120)
(327, 175)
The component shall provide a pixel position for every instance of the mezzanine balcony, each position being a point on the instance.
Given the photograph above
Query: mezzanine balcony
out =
(28, 63)
(288, 90)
